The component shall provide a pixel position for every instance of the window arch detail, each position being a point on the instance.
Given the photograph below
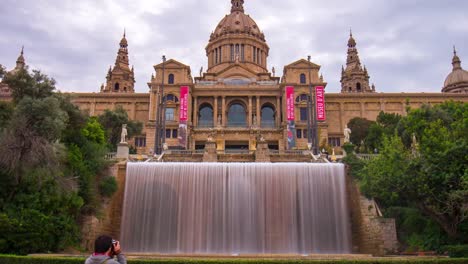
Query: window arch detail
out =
(303, 78)
(171, 79)
(205, 116)
(237, 115)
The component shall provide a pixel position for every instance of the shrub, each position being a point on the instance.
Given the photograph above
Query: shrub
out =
(29, 260)
(457, 251)
(108, 186)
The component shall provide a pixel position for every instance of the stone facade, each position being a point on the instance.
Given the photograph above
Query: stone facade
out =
(238, 97)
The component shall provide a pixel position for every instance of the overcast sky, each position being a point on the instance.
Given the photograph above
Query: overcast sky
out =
(405, 44)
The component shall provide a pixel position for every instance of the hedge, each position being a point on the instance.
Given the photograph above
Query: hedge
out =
(4, 259)
(457, 251)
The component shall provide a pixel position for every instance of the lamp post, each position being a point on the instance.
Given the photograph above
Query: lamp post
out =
(309, 108)
(312, 126)
(160, 133)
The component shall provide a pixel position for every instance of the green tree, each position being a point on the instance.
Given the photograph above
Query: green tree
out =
(112, 122)
(431, 174)
(35, 85)
(386, 124)
(360, 129)
(6, 111)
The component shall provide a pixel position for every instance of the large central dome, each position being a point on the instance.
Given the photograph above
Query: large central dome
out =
(237, 40)
(237, 23)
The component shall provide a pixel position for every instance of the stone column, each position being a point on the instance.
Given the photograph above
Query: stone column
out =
(259, 118)
(224, 112)
(278, 112)
(134, 106)
(362, 109)
(215, 111)
(195, 115)
(342, 125)
(93, 108)
(250, 111)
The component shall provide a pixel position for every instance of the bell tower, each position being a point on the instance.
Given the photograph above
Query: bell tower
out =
(354, 78)
(120, 78)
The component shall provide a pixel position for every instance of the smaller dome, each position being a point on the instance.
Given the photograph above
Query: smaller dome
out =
(457, 80)
(458, 76)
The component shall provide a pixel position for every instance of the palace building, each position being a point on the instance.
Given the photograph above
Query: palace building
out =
(238, 100)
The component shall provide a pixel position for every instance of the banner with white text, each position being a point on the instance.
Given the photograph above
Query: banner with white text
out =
(291, 117)
(320, 103)
(183, 116)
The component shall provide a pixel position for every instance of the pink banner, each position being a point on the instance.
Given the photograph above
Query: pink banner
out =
(320, 103)
(183, 115)
(290, 103)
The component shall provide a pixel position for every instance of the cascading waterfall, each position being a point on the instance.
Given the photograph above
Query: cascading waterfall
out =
(235, 208)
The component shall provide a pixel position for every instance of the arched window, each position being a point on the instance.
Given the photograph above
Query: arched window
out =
(268, 116)
(302, 98)
(117, 87)
(303, 78)
(171, 79)
(237, 116)
(358, 87)
(232, 52)
(205, 116)
(220, 54)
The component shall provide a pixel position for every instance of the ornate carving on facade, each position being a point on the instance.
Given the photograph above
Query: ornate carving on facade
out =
(354, 78)
(120, 79)
(457, 80)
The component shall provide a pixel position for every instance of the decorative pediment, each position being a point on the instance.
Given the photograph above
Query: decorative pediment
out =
(171, 64)
(237, 71)
(302, 64)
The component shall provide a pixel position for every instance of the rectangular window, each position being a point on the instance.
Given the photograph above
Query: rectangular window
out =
(304, 133)
(334, 141)
(303, 111)
(170, 112)
(258, 56)
(232, 52)
(220, 54)
(242, 53)
(174, 133)
(299, 133)
(254, 54)
(216, 55)
(168, 133)
(140, 142)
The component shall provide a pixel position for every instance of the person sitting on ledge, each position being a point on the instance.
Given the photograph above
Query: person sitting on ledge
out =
(105, 249)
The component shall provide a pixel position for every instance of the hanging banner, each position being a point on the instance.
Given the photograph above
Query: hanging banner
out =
(320, 103)
(291, 117)
(183, 116)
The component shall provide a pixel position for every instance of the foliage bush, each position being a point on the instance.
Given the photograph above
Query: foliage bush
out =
(457, 251)
(50, 155)
(108, 186)
(33, 260)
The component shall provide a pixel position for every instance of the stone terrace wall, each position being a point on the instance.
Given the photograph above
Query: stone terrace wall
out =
(108, 220)
(371, 233)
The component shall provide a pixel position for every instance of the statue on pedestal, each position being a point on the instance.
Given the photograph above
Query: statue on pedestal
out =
(124, 134)
(347, 133)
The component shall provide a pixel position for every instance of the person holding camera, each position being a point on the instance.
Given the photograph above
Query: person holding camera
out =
(105, 250)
